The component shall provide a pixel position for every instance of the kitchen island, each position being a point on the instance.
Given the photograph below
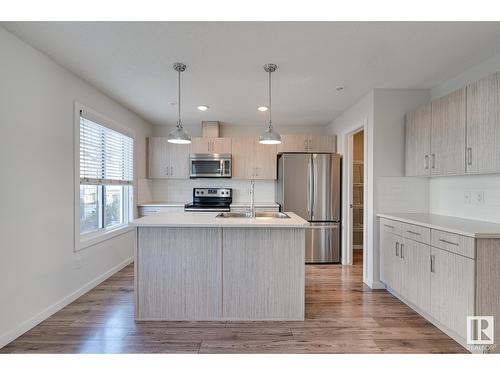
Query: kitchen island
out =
(196, 266)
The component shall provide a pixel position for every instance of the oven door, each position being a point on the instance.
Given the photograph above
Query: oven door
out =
(209, 166)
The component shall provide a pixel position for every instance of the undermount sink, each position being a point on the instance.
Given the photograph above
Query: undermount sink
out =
(258, 215)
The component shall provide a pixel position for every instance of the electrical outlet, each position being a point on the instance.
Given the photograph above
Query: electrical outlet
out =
(467, 197)
(479, 198)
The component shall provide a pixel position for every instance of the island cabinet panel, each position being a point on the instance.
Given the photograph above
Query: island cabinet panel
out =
(176, 281)
(263, 274)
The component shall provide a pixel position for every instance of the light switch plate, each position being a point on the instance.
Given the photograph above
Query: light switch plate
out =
(478, 198)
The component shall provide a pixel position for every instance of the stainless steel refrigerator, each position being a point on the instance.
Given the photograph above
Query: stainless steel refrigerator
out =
(309, 185)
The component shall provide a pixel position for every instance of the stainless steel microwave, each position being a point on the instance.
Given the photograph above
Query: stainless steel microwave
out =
(210, 166)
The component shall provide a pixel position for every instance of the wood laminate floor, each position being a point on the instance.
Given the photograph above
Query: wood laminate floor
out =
(342, 316)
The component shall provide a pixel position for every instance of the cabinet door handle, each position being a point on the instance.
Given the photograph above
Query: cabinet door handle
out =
(388, 226)
(433, 261)
(449, 242)
(433, 161)
(426, 162)
(415, 233)
(469, 155)
(171, 171)
(167, 171)
(305, 145)
(310, 144)
(401, 251)
(397, 248)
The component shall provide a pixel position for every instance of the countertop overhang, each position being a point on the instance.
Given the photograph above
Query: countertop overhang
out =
(209, 219)
(464, 227)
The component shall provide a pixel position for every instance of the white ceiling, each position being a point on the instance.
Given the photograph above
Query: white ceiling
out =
(132, 62)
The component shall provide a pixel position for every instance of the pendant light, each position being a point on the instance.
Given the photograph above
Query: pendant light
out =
(270, 137)
(178, 135)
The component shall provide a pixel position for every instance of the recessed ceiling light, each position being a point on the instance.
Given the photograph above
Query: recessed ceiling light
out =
(262, 108)
(203, 107)
(340, 87)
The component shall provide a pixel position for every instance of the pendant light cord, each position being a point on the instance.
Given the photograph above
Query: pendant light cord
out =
(270, 111)
(179, 123)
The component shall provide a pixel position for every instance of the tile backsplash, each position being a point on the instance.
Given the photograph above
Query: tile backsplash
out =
(182, 190)
(402, 194)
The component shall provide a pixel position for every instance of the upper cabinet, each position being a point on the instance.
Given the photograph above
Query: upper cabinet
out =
(252, 160)
(418, 141)
(167, 160)
(201, 145)
(448, 134)
(307, 143)
(483, 126)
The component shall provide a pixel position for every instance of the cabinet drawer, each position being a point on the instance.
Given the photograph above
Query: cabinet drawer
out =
(454, 243)
(417, 233)
(391, 226)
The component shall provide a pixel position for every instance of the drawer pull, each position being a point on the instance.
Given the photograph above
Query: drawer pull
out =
(449, 242)
(397, 249)
(401, 251)
(388, 226)
(415, 233)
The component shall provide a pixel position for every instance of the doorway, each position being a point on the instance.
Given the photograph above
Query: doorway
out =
(357, 197)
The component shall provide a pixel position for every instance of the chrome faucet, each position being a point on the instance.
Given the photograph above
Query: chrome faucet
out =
(252, 199)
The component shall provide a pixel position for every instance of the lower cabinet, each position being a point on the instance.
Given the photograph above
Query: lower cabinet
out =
(439, 282)
(451, 289)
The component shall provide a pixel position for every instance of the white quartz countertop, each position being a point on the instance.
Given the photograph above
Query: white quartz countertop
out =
(208, 219)
(181, 204)
(464, 227)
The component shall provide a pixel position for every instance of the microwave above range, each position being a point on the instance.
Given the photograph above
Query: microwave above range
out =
(210, 166)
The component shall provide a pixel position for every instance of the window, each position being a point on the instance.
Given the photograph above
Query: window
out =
(105, 166)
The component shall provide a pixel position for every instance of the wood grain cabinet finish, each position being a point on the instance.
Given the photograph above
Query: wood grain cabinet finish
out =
(220, 145)
(452, 290)
(167, 160)
(416, 265)
(307, 143)
(252, 160)
(418, 141)
(483, 125)
(266, 280)
(445, 281)
(179, 282)
(448, 134)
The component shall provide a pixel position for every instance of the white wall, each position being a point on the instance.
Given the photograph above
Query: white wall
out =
(39, 272)
(447, 193)
(382, 113)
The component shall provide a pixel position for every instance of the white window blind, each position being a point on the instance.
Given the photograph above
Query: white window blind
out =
(106, 156)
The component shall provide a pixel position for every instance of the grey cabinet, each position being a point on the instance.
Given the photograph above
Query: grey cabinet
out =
(418, 141)
(483, 125)
(307, 143)
(451, 289)
(252, 160)
(204, 145)
(448, 134)
(416, 265)
(167, 160)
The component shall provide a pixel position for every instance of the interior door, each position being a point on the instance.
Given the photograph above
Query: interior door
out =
(296, 187)
(325, 195)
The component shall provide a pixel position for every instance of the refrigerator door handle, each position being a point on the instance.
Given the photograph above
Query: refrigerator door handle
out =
(309, 187)
(313, 185)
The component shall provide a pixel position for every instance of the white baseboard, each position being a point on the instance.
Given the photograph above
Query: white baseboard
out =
(375, 284)
(40, 317)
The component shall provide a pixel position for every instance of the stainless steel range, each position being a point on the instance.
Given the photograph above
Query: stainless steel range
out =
(210, 200)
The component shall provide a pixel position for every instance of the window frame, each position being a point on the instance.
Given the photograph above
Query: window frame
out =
(82, 241)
